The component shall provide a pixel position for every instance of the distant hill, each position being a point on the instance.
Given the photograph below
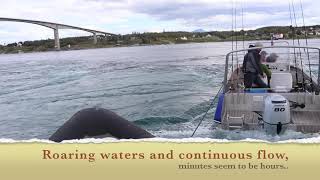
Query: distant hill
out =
(199, 31)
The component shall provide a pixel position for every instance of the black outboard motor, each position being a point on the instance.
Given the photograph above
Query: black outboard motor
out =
(96, 122)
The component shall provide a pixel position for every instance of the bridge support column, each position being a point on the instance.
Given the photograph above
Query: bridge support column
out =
(95, 40)
(56, 39)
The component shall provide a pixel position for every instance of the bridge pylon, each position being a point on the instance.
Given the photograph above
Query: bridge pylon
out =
(56, 39)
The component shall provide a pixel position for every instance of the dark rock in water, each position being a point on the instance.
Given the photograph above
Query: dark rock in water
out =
(96, 122)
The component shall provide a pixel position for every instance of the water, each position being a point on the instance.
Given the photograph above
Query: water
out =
(165, 89)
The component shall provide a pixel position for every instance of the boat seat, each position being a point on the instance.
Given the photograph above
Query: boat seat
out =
(281, 82)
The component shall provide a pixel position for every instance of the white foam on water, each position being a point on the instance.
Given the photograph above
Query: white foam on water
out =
(182, 140)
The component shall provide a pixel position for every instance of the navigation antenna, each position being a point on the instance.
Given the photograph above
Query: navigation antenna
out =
(293, 42)
(298, 38)
(306, 38)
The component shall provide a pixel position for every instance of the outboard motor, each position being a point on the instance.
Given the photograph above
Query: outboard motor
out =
(276, 114)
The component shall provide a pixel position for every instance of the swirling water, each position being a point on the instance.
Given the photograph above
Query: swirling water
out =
(165, 89)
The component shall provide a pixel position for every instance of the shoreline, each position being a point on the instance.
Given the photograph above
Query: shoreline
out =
(155, 38)
(99, 46)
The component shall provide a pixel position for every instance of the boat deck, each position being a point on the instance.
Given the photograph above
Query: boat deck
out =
(236, 80)
(242, 111)
(306, 122)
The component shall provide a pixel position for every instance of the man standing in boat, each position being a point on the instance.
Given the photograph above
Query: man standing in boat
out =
(252, 68)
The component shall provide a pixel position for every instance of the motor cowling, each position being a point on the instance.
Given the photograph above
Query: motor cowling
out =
(276, 114)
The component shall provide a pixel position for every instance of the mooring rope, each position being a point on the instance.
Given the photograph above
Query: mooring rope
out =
(211, 104)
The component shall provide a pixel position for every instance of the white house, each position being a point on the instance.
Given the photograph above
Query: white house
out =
(184, 38)
(277, 36)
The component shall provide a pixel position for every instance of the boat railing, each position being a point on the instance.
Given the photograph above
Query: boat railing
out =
(299, 61)
(272, 43)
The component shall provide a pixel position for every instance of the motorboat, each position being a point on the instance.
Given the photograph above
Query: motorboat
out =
(291, 101)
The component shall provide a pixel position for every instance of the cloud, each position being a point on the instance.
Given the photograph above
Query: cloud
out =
(215, 14)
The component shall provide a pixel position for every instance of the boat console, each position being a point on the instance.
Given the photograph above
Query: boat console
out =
(281, 82)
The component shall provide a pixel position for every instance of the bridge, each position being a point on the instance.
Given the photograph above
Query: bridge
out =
(56, 27)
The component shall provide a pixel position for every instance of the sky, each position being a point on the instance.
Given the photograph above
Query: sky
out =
(127, 16)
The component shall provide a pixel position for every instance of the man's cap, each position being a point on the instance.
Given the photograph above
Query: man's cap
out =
(272, 57)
